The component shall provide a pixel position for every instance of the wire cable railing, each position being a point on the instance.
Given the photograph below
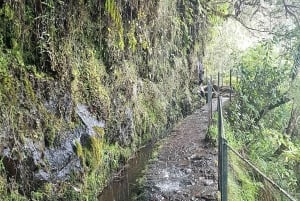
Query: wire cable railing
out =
(223, 147)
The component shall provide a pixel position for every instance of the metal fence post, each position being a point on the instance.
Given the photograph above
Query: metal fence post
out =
(209, 101)
(219, 146)
(219, 80)
(211, 96)
(222, 155)
(230, 83)
(224, 170)
(222, 78)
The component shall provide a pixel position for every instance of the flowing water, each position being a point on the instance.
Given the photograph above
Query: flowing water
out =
(125, 186)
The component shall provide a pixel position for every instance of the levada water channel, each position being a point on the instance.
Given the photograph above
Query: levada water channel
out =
(125, 187)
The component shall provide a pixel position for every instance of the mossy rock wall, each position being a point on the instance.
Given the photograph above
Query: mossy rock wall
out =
(129, 63)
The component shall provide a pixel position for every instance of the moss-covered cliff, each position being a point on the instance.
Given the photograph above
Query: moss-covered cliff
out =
(85, 83)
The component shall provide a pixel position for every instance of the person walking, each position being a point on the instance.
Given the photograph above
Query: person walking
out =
(200, 69)
(200, 72)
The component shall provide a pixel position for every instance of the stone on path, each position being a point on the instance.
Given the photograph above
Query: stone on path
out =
(186, 166)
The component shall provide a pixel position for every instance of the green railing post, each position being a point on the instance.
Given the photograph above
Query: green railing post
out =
(219, 80)
(222, 155)
(209, 101)
(230, 83)
(222, 79)
(211, 96)
(219, 146)
(224, 170)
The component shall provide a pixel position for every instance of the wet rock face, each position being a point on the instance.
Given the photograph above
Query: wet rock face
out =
(62, 161)
(40, 164)
(35, 163)
(56, 96)
(121, 129)
(89, 121)
(126, 128)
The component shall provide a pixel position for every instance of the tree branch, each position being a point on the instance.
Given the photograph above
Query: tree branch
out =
(283, 100)
(251, 28)
(290, 130)
(288, 11)
(288, 8)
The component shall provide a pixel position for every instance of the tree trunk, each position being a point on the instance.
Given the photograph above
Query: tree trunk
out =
(291, 130)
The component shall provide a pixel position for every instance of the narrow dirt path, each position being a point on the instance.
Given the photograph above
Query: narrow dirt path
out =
(186, 166)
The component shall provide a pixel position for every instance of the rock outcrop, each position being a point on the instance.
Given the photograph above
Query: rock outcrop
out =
(84, 83)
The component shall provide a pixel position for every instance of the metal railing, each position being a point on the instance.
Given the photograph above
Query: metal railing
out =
(222, 154)
(223, 146)
(211, 90)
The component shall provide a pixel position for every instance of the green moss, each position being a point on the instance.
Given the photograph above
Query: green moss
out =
(97, 152)
(37, 196)
(89, 83)
(92, 155)
(8, 194)
(114, 11)
(49, 135)
(101, 158)
(132, 41)
(79, 150)
(242, 186)
(3, 65)
(29, 91)
(7, 11)
(99, 131)
(133, 73)
(3, 183)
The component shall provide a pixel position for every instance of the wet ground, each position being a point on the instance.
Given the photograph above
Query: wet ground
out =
(186, 165)
(185, 168)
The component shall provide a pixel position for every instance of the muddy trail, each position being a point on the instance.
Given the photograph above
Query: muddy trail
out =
(186, 165)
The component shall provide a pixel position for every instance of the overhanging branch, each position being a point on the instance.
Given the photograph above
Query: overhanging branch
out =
(283, 100)
(288, 11)
(251, 28)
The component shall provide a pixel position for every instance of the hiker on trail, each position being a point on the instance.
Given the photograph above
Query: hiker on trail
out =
(201, 77)
(200, 72)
